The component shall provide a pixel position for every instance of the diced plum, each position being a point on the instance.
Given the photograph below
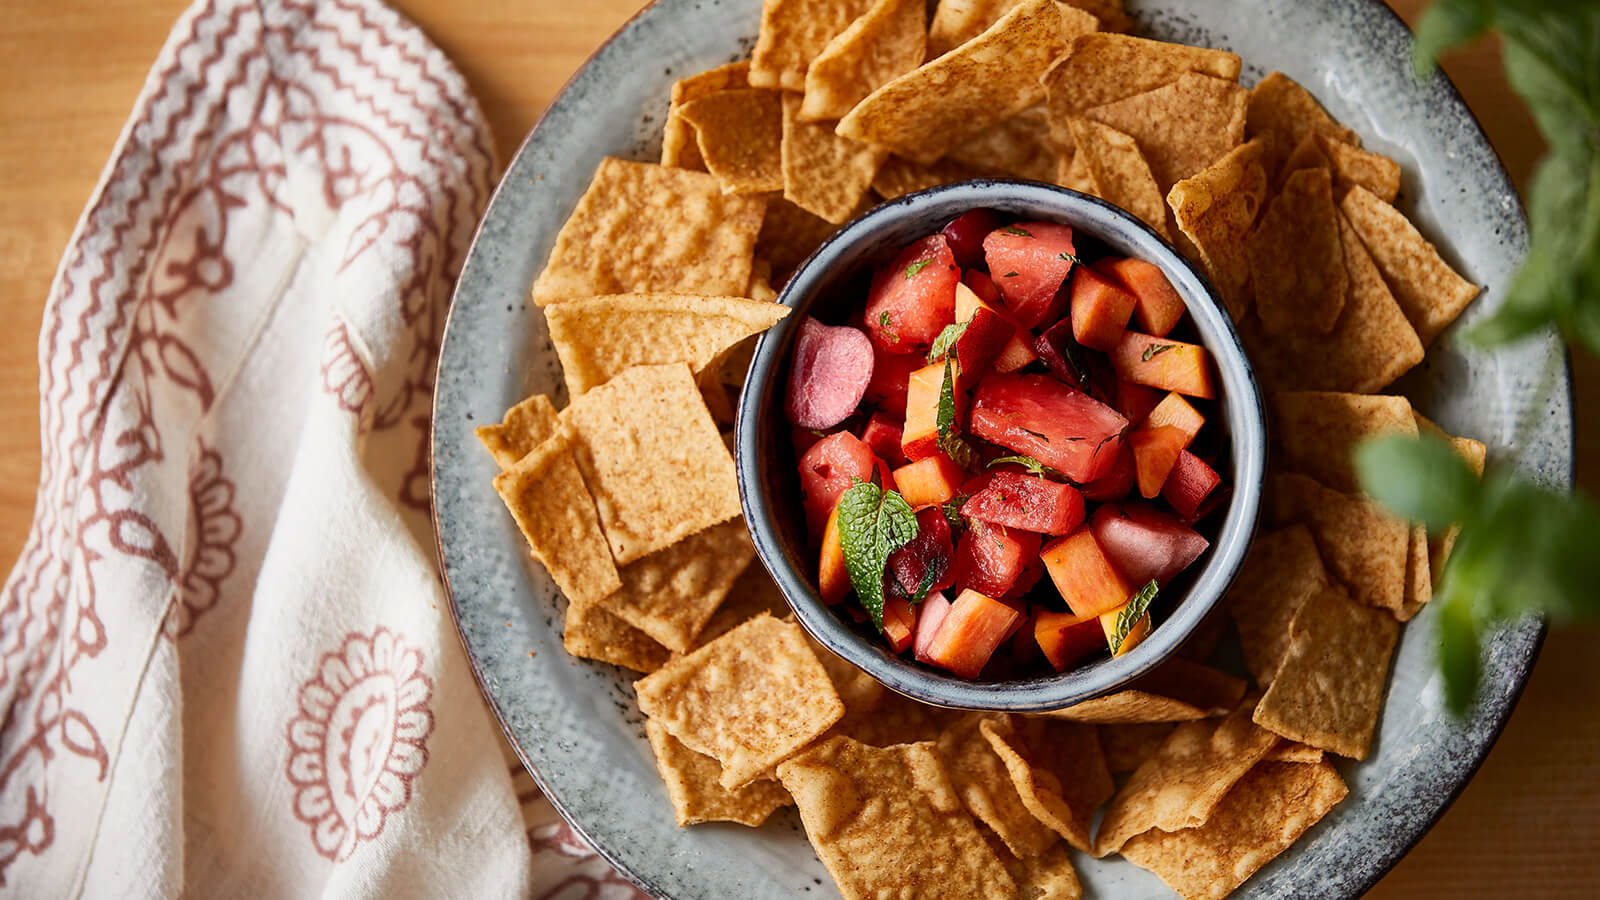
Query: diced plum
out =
(1190, 483)
(1039, 416)
(1083, 573)
(920, 439)
(1100, 309)
(1115, 484)
(1136, 636)
(1155, 452)
(1027, 502)
(1158, 308)
(1067, 638)
(981, 343)
(828, 376)
(833, 578)
(1135, 400)
(930, 615)
(1062, 355)
(929, 481)
(965, 235)
(890, 374)
(1164, 363)
(991, 559)
(1029, 262)
(882, 434)
(1174, 410)
(982, 287)
(924, 563)
(828, 469)
(1146, 544)
(899, 623)
(914, 297)
(1017, 350)
(970, 632)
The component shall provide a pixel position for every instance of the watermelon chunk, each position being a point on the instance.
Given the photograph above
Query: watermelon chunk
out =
(1038, 416)
(829, 468)
(1027, 502)
(970, 632)
(882, 434)
(1029, 262)
(891, 373)
(965, 235)
(1017, 351)
(991, 559)
(913, 298)
(1115, 484)
(1146, 544)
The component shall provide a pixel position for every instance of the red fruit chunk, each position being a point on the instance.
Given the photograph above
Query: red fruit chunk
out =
(829, 374)
(1145, 543)
(899, 623)
(882, 434)
(1115, 484)
(1067, 639)
(1155, 452)
(929, 481)
(1100, 310)
(920, 439)
(982, 287)
(981, 343)
(1190, 483)
(1158, 308)
(805, 439)
(970, 632)
(1164, 363)
(1084, 575)
(991, 559)
(1029, 261)
(1016, 352)
(833, 578)
(924, 563)
(930, 615)
(1038, 416)
(1027, 502)
(965, 235)
(914, 297)
(828, 469)
(890, 375)
(1031, 575)
(1135, 400)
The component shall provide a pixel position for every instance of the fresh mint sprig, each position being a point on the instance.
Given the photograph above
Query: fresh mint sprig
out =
(873, 523)
(1131, 613)
(950, 439)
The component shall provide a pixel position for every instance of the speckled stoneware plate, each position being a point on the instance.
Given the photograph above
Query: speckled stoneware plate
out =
(575, 723)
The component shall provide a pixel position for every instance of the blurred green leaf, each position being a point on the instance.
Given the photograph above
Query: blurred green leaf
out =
(1421, 479)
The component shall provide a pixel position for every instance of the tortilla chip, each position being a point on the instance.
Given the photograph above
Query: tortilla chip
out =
(1329, 690)
(1264, 813)
(898, 176)
(592, 633)
(1354, 166)
(1181, 784)
(1183, 128)
(653, 459)
(1049, 876)
(1178, 690)
(694, 785)
(749, 699)
(672, 593)
(761, 282)
(1361, 544)
(1287, 114)
(1057, 769)
(1320, 430)
(823, 173)
(740, 134)
(546, 496)
(793, 33)
(957, 21)
(1130, 707)
(860, 692)
(1419, 576)
(1216, 209)
(1296, 258)
(886, 42)
(1126, 747)
(1307, 155)
(1073, 173)
(983, 782)
(790, 234)
(888, 823)
(752, 594)
(1476, 454)
(1018, 147)
(1105, 68)
(1280, 573)
(1120, 172)
(524, 427)
(642, 228)
(1428, 290)
(924, 113)
(896, 719)
(598, 338)
(678, 144)
(1292, 752)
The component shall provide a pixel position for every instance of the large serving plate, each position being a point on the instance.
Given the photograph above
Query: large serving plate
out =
(575, 723)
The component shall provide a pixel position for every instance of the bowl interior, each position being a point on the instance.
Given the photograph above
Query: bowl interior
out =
(830, 284)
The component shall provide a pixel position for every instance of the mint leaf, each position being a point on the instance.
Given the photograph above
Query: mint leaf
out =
(873, 523)
(916, 267)
(1012, 229)
(1459, 651)
(1132, 612)
(1421, 479)
(1027, 462)
(946, 340)
(1155, 350)
(952, 510)
(950, 440)
(884, 322)
(1072, 258)
(1009, 275)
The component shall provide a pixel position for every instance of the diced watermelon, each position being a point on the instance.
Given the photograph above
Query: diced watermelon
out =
(924, 563)
(1155, 452)
(970, 632)
(829, 468)
(1115, 484)
(1145, 543)
(1016, 352)
(1063, 356)
(965, 235)
(914, 297)
(1027, 502)
(833, 579)
(1164, 363)
(899, 623)
(920, 439)
(929, 481)
(1174, 410)
(1190, 483)
(1067, 638)
(1135, 400)
(930, 615)
(890, 375)
(1029, 262)
(991, 559)
(1083, 573)
(981, 343)
(1158, 308)
(1038, 416)
(1100, 309)
(882, 434)
(1136, 636)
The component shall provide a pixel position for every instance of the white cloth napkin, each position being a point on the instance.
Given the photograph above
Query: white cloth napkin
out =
(226, 659)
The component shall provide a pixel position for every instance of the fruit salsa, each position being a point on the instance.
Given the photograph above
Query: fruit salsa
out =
(1007, 404)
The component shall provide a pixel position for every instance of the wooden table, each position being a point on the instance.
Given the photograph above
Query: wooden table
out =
(1529, 824)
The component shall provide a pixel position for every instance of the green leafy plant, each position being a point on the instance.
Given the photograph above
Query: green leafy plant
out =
(873, 523)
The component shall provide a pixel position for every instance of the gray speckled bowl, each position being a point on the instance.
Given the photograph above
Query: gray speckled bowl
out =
(770, 490)
(575, 723)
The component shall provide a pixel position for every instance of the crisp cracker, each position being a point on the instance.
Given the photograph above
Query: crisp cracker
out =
(1293, 752)
(957, 21)
(1419, 576)
(823, 173)
(1280, 573)
(653, 459)
(546, 496)
(896, 719)
(671, 594)
(524, 427)
(641, 227)
(1264, 813)
(761, 282)
(1126, 747)
(790, 234)
(598, 338)
(983, 781)
(1427, 289)
(740, 135)
(886, 42)
(1216, 209)
(1121, 175)
(749, 699)
(678, 144)
(924, 113)
(898, 176)
(1296, 258)
(1329, 690)
(1178, 690)
(1181, 784)
(1320, 430)
(1057, 769)
(1183, 127)
(1286, 114)
(1354, 166)
(592, 633)
(1476, 455)
(793, 33)
(1049, 876)
(1130, 707)
(1307, 155)
(1361, 544)
(1018, 147)
(1104, 68)
(752, 594)
(694, 785)
(888, 823)
(1073, 172)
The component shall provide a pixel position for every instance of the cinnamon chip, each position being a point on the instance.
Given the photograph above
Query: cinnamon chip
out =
(740, 133)
(694, 785)
(1280, 573)
(524, 427)
(1320, 430)
(823, 173)
(1183, 127)
(1216, 210)
(546, 496)
(793, 33)
(1287, 114)
(1057, 769)
(1120, 173)
(671, 594)
(678, 144)
(1296, 258)
(886, 42)
(1428, 290)
(1361, 544)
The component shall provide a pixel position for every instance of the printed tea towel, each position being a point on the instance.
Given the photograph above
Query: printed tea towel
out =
(226, 661)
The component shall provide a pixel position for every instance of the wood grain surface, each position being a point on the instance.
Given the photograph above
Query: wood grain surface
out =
(1527, 826)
